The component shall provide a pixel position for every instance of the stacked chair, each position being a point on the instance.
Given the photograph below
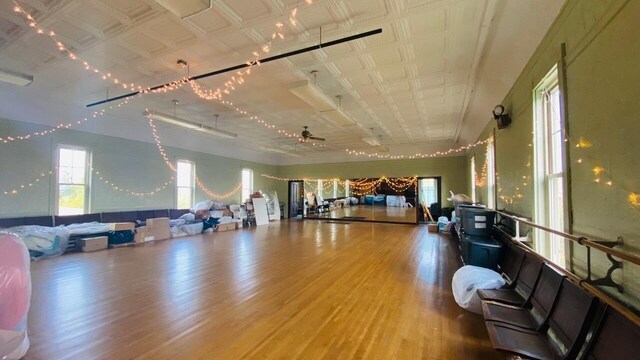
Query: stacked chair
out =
(541, 314)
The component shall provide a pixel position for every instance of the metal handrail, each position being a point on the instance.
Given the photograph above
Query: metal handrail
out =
(579, 239)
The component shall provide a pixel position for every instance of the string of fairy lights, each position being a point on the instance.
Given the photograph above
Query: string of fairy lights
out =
(357, 186)
(419, 155)
(173, 168)
(229, 85)
(239, 77)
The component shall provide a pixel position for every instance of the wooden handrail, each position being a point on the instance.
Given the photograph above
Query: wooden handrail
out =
(579, 239)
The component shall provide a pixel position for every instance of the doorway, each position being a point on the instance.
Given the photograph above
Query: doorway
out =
(430, 197)
(296, 199)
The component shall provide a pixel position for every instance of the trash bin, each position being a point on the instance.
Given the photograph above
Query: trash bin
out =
(481, 251)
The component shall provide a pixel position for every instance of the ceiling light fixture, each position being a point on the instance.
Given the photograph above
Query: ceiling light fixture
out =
(279, 151)
(15, 78)
(371, 141)
(185, 8)
(313, 96)
(171, 119)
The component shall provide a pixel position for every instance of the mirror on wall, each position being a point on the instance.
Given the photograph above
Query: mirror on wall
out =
(391, 200)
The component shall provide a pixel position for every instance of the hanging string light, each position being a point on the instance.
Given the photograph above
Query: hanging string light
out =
(173, 168)
(229, 85)
(357, 186)
(418, 155)
(121, 189)
(238, 78)
(22, 187)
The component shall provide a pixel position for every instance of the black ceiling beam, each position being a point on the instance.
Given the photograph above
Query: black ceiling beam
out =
(242, 66)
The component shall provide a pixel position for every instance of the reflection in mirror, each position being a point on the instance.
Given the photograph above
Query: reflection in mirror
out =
(394, 200)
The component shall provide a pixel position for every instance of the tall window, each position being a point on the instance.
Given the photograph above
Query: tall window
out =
(491, 176)
(549, 167)
(73, 180)
(185, 187)
(335, 188)
(346, 188)
(473, 179)
(247, 183)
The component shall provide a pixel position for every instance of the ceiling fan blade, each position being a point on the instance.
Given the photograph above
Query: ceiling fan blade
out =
(316, 138)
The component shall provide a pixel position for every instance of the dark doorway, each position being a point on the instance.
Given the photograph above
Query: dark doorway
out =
(296, 199)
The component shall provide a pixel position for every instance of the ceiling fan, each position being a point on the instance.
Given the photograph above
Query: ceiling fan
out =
(307, 135)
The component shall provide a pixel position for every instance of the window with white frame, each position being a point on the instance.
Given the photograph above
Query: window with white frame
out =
(73, 180)
(335, 188)
(491, 176)
(549, 167)
(346, 188)
(186, 171)
(473, 179)
(247, 183)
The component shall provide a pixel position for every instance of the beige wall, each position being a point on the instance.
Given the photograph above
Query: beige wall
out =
(133, 165)
(602, 87)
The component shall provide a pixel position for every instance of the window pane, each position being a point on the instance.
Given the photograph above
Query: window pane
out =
(247, 183)
(71, 199)
(78, 175)
(66, 157)
(185, 174)
(79, 157)
(65, 175)
(184, 198)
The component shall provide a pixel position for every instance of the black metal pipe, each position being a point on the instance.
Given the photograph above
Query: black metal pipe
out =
(242, 66)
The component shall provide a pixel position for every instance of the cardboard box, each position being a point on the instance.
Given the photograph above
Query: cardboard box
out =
(140, 234)
(122, 226)
(146, 234)
(158, 222)
(433, 228)
(156, 229)
(227, 226)
(94, 243)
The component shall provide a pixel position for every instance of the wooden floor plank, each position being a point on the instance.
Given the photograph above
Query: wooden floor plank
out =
(294, 290)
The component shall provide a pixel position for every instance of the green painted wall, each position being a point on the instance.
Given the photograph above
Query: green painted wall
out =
(451, 169)
(133, 165)
(602, 87)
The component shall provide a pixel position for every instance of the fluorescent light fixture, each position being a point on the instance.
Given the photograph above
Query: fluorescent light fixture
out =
(313, 96)
(15, 78)
(279, 151)
(185, 8)
(189, 124)
(372, 141)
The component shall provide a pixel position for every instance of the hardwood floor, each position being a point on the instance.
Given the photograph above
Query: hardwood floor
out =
(297, 290)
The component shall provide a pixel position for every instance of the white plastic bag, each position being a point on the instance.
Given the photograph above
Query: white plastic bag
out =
(15, 296)
(204, 205)
(468, 280)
